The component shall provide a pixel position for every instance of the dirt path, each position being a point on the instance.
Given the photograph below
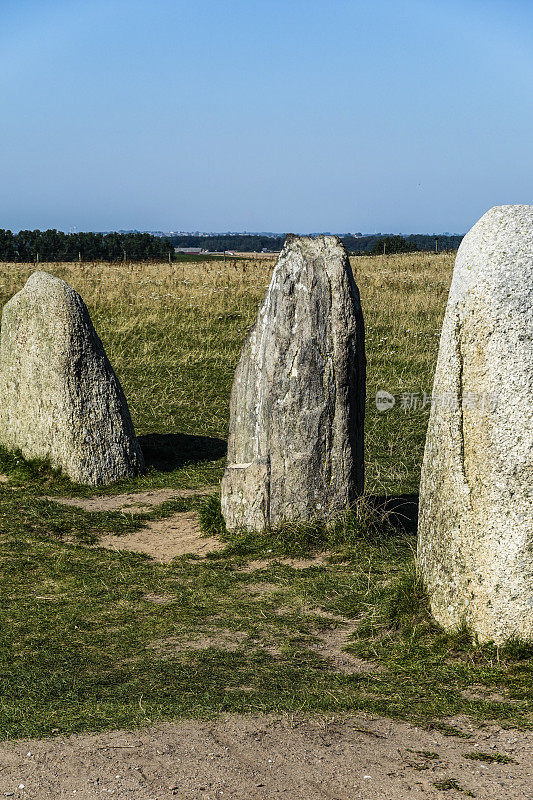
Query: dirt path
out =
(134, 502)
(161, 539)
(295, 563)
(165, 539)
(260, 758)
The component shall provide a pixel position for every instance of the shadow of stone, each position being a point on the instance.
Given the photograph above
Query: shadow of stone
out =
(168, 451)
(401, 510)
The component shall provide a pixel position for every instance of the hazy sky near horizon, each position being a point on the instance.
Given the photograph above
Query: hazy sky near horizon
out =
(275, 115)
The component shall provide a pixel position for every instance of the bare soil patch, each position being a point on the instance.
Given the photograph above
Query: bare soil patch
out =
(220, 638)
(483, 693)
(261, 589)
(158, 599)
(295, 563)
(330, 646)
(135, 502)
(332, 641)
(165, 539)
(260, 758)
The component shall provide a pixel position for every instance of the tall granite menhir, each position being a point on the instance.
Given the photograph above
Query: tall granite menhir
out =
(59, 396)
(295, 449)
(476, 496)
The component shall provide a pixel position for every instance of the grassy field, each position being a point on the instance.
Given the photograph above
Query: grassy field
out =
(94, 639)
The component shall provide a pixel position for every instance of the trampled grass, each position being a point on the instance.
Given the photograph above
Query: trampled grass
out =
(94, 639)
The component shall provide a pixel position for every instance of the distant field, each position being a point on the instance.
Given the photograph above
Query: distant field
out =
(92, 638)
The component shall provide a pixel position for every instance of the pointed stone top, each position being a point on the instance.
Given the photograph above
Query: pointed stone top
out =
(44, 283)
(313, 245)
(498, 249)
(325, 252)
(41, 278)
(42, 275)
(503, 227)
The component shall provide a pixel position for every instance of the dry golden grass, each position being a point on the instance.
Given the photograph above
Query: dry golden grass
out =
(213, 284)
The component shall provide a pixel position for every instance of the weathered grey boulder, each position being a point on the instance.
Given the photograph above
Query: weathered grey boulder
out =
(295, 449)
(475, 546)
(59, 396)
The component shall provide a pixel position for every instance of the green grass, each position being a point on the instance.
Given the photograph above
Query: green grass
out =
(450, 783)
(490, 758)
(85, 646)
(93, 639)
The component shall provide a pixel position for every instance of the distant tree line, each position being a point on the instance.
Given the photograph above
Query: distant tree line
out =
(393, 244)
(241, 243)
(249, 243)
(377, 244)
(52, 245)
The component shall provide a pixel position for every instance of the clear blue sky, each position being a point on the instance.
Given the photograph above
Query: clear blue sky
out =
(282, 115)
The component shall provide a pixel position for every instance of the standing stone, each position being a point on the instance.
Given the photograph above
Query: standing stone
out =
(475, 544)
(59, 396)
(295, 449)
